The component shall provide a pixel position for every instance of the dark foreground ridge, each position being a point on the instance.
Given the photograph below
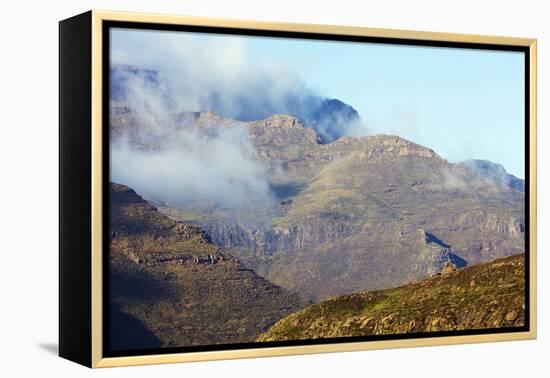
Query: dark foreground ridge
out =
(170, 286)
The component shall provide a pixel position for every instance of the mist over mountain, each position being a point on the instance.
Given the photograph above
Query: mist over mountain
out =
(330, 118)
(495, 172)
(156, 148)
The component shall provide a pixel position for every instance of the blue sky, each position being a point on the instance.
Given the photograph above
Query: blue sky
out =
(462, 103)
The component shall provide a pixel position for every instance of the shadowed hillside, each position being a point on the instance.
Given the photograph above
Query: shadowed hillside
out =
(170, 286)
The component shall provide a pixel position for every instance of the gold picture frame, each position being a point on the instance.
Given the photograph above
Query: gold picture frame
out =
(81, 336)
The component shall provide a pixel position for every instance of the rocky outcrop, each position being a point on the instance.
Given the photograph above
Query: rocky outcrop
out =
(388, 146)
(281, 130)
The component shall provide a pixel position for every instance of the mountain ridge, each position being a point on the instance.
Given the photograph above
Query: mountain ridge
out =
(329, 117)
(348, 213)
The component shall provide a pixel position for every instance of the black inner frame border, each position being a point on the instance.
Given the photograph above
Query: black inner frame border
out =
(107, 25)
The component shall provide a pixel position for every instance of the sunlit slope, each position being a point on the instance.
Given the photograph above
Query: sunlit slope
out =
(488, 295)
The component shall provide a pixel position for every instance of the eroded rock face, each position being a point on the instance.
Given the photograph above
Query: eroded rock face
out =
(267, 243)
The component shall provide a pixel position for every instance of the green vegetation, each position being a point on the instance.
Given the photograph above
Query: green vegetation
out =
(488, 295)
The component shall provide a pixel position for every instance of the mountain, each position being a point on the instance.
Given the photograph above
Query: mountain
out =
(121, 75)
(495, 172)
(360, 213)
(170, 286)
(489, 295)
(329, 117)
(360, 221)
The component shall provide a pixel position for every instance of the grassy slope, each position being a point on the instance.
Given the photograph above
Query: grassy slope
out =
(487, 295)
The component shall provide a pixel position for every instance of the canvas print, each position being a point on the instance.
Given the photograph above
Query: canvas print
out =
(266, 189)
